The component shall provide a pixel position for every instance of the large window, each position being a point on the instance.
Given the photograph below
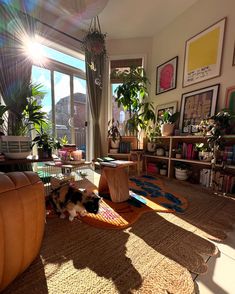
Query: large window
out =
(118, 113)
(65, 101)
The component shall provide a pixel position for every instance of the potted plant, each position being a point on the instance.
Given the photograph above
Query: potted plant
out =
(162, 168)
(167, 121)
(22, 118)
(131, 95)
(215, 127)
(45, 142)
(114, 133)
(204, 151)
(178, 153)
(152, 132)
(182, 171)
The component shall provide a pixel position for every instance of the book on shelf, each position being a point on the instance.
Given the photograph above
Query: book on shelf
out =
(222, 182)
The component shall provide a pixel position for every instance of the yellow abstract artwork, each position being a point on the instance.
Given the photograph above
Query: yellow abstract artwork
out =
(204, 51)
(203, 54)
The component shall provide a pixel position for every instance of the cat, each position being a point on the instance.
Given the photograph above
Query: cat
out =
(67, 198)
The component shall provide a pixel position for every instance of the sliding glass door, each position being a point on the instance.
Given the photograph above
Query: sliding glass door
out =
(65, 102)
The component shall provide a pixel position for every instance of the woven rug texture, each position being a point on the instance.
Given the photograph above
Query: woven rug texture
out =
(157, 254)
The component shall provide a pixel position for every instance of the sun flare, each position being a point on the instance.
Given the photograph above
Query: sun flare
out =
(34, 51)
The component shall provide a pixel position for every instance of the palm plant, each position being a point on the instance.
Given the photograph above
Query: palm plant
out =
(24, 110)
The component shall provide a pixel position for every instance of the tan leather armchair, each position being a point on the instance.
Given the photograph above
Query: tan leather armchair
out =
(22, 221)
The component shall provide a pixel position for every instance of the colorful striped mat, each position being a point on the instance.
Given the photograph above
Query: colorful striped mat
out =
(147, 193)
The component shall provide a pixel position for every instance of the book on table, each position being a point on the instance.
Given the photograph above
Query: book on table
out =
(116, 163)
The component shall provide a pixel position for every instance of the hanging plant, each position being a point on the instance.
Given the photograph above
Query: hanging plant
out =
(94, 43)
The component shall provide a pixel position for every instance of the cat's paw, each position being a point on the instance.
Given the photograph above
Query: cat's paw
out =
(62, 215)
(83, 212)
(71, 218)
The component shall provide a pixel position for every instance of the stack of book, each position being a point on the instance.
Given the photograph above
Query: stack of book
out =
(224, 183)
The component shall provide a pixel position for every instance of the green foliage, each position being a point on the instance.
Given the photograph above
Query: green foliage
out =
(63, 140)
(3, 109)
(25, 110)
(153, 131)
(131, 95)
(168, 118)
(44, 139)
(215, 127)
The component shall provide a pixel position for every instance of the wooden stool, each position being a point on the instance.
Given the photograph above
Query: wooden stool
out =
(114, 180)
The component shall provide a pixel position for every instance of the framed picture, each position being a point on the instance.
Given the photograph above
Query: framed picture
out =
(160, 109)
(196, 106)
(203, 54)
(166, 76)
(230, 99)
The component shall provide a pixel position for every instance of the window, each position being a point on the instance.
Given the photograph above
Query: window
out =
(121, 65)
(65, 101)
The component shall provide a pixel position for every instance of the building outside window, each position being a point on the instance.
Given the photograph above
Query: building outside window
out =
(63, 79)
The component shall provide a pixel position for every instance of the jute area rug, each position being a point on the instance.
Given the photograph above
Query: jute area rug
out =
(155, 255)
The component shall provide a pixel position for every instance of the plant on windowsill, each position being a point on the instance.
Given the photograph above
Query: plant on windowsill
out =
(114, 133)
(45, 142)
(167, 121)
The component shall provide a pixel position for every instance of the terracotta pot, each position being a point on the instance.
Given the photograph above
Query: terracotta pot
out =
(167, 129)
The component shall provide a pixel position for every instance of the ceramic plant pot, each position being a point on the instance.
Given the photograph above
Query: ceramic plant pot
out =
(151, 146)
(181, 174)
(167, 129)
(115, 144)
(15, 147)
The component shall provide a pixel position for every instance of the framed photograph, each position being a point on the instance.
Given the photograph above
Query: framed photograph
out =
(166, 76)
(160, 109)
(230, 99)
(196, 106)
(203, 54)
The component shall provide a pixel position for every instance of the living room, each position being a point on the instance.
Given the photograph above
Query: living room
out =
(162, 37)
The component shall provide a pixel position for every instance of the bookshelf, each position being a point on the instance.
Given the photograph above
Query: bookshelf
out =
(123, 155)
(202, 172)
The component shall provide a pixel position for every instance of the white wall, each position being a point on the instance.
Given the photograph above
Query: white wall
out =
(171, 42)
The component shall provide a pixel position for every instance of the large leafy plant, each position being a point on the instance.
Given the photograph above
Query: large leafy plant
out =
(131, 94)
(215, 127)
(24, 110)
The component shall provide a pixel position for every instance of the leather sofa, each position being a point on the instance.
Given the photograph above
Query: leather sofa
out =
(22, 221)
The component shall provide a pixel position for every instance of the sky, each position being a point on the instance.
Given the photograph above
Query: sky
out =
(42, 76)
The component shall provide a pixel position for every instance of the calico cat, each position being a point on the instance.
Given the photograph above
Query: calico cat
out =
(67, 198)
